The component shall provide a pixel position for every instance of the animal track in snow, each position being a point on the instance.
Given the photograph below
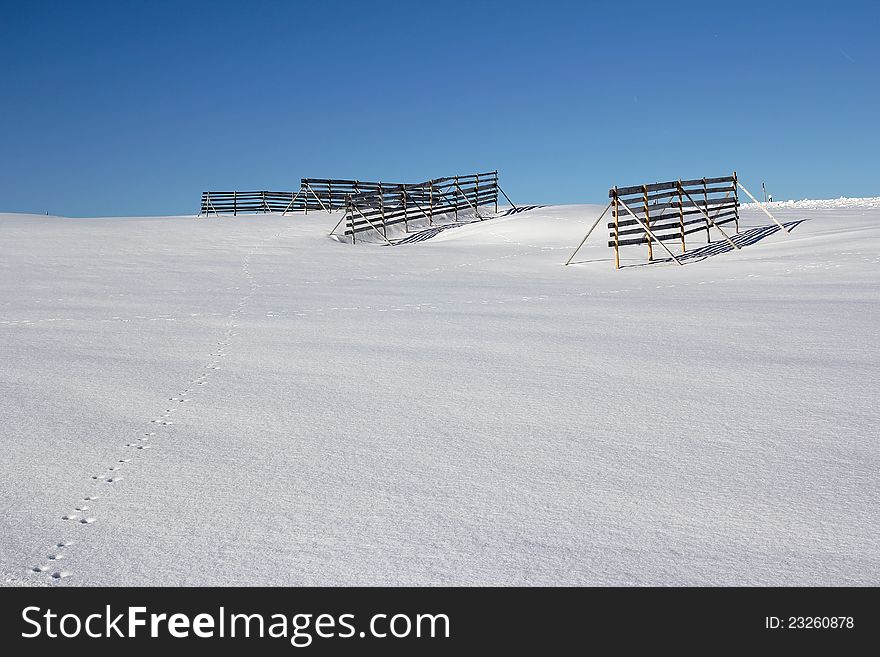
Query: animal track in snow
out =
(109, 476)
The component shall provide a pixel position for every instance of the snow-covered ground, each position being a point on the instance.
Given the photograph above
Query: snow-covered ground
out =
(872, 202)
(463, 410)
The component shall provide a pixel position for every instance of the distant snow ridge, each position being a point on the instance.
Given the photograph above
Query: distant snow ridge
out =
(825, 204)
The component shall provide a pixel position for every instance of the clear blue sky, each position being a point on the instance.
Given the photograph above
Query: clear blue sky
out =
(136, 107)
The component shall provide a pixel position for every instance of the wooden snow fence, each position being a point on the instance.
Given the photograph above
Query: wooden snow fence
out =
(390, 204)
(670, 211)
(654, 214)
(314, 194)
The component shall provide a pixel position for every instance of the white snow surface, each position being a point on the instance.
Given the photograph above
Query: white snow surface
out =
(463, 410)
(824, 204)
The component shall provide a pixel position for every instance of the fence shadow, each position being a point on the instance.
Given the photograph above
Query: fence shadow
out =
(746, 238)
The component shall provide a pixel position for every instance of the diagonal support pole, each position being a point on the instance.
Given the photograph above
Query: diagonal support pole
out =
(648, 230)
(344, 217)
(464, 196)
(416, 203)
(292, 201)
(592, 228)
(371, 224)
(711, 221)
(763, 209)
(317, 198)
(507, 197)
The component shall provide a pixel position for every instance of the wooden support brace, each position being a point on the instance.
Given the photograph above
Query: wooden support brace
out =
(648, 230)
(292, 201)
(508, 198)
(317, 198)
(464, 196)
(760, 205)
(427, 216)
(592, 228)
(356, 209)
(344, 216)
(709, 220)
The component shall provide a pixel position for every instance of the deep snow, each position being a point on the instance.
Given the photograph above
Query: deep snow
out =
(463, 410)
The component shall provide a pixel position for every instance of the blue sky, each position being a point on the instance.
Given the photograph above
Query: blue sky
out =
(120, 108)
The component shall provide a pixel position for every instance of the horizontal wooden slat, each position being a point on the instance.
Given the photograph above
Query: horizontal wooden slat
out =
(665, 237)
(672, 225)
(669, 185)
(708, 181)
(626, 220)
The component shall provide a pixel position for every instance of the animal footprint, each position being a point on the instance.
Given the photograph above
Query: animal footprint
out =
(113, 480)
(55, 557)
(70, 516)
(87, 521)
(60, 574)
(39, 569)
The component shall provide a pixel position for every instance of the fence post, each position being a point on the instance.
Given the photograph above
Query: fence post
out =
(382, 210)
(350, 217)
(330, 194)
(455, 203)
(616, 230)
(405, 213)
(234, 203)
(495, 189)
(706, 206)
(681, 215)
(648, 223)
(736, 202)
(431, 203)
(477, 197)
